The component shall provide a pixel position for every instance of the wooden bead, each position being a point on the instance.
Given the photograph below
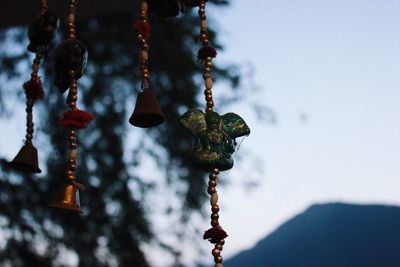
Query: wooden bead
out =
(215, 252)
(212, 183)
(219, 265)
(144, 55)
(210, 104)
(215, 208)
(144, 6)
(218, 259)
(211, 190)
(203, 24)
(216, 171)
(73, 153)
(214, 216)
(208, 82)
(214, 223)
(209, 109)
(214, 199)
(71, 18)
(218, 246)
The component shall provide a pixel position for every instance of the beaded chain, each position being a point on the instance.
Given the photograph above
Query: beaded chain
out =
(142, 29)
(72, 99)
(212, 184)
(35, 81)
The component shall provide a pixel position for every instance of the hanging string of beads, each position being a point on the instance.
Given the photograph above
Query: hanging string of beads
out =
(40, 32)
(70, 60)
(142, 29)
(214, 135)
(216, 234)
(147, 112)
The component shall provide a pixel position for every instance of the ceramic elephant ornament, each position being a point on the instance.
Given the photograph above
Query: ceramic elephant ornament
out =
(70, 55)
(214, 137)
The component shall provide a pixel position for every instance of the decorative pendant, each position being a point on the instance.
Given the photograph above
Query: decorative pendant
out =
(41, 32)
(214, 136)
(147, 112)
(70, 61)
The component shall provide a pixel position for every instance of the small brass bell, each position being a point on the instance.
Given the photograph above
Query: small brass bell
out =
(68, 198)
(147, 112)
(26, 160)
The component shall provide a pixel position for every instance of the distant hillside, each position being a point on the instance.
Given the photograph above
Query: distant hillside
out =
(330, 235)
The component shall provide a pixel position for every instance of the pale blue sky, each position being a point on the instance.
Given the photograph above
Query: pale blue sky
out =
(338, 62)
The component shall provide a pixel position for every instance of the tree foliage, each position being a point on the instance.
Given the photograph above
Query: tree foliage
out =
(115, 222)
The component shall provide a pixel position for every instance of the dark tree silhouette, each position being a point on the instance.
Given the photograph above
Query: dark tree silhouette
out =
(115, 220)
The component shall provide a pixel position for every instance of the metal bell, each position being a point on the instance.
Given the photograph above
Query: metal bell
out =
(147, 112)
(68, 198)
(26, 160)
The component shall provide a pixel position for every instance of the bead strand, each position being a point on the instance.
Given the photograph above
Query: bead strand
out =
(212, 190)
(43, 6)
(36, 63)
(208, 62)
(29, 121)
(29, 101)
(144, 53)
(71, 20)
(72, 99)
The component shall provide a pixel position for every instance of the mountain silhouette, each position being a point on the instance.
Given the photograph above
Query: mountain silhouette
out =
(330, 235)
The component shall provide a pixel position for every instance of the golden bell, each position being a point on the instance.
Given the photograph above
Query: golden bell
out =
(68, 198)
(26, 160)
(147, 112)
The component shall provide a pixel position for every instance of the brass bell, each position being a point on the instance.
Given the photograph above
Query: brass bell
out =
(68, 198)
(147, 112)
(26, 160)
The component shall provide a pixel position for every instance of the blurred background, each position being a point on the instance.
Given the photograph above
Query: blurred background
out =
(315, 184)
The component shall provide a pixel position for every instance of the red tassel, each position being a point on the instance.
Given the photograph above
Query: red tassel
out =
(33, 89)
(143, 28)
(205, 52)
(215, 234)
(76, 118)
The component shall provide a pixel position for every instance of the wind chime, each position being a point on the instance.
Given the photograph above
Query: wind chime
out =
(69, 62)
(147, 112)
(214, 136)
(41, 33)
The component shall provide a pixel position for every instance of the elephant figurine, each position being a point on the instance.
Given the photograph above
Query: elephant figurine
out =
(214, 137)
(69, 55)
(41, 31)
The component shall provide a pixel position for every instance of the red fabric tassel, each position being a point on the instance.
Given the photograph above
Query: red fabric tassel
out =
(76, 118)
(215, 234)
(205, 52)
(33, 89)
(142, 28)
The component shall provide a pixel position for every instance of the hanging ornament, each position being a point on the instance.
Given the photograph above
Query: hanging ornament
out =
(147, 112)
(41, 32)
(70, 60)
(214, 136)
